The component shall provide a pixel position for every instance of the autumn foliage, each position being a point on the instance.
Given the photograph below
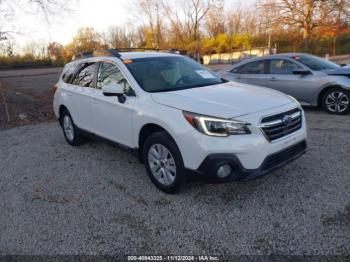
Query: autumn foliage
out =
(212, 26)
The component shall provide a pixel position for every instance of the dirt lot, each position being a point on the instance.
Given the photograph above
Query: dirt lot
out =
(97, 199)
(26, 96)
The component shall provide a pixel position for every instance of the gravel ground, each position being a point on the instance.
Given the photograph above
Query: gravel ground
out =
(97, 199)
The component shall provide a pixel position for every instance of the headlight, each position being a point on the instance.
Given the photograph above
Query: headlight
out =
(212, 126)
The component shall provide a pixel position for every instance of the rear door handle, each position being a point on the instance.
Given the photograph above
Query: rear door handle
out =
(272, 79)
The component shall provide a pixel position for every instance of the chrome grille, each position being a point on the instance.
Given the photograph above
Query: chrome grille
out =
(280, 125)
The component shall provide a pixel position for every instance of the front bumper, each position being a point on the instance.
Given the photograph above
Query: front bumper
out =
(274, 161)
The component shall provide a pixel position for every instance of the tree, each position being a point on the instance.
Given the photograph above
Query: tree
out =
(152, 12)
(116, 37)
(195, 11)
(7, 46)
(306, 15)
(221, 43)
(54, 50)
(338, 20)
(9, 9)
(47, 8)
(179, 35)
(234, 22)
(215, 21)
(87, 40)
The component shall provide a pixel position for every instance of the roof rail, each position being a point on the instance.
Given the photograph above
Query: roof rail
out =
(116, 52)
(81, 55)
(141, 49)
(108, 52)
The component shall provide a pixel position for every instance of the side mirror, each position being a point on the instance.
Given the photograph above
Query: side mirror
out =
(113, 89)
(301, 71)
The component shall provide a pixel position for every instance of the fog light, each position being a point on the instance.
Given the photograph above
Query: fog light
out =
(224, 171)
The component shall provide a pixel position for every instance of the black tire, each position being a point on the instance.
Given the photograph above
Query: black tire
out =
(77, 139)
(332, 94)
(164, 139)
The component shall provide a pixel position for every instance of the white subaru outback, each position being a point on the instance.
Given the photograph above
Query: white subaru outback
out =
(179, 116)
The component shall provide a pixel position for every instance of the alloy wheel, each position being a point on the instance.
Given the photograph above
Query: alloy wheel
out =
(337, 102)
(162, 164)
(68, 127)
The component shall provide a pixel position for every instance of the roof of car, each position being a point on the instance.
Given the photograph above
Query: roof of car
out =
(281, 55)
(277, 56)
(135, 55)
(285, 55)
(124, 55)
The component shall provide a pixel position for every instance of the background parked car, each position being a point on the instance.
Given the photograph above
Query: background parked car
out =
(312, 80)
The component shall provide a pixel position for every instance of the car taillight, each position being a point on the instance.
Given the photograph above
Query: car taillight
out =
(54, 88)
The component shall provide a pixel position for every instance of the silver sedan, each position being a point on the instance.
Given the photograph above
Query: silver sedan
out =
(311, 80)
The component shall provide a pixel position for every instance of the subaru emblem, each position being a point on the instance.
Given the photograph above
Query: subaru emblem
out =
(287, 120)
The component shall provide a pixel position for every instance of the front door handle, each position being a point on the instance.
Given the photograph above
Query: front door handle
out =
(272, 79)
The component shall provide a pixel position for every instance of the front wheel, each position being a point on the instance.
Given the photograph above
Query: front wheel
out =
(336, 101)
(163, 162)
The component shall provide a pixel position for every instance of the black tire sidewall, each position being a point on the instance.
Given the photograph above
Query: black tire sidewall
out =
(333, 90)
(164, 139)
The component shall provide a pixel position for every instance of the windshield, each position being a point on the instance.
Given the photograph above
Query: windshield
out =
(315, 63)
(162, 74)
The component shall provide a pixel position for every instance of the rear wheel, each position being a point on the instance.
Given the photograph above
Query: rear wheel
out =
(163, 162)
(70, 130)
(336, 101)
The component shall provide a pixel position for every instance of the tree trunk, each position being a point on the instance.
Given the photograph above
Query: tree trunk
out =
(308, 23)
(334, 45)
(306, 38)
(197, 43)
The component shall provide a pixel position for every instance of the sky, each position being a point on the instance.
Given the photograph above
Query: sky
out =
(86, 13)
(99, 14)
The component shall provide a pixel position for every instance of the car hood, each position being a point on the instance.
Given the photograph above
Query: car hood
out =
(225, 100)
(342, 71)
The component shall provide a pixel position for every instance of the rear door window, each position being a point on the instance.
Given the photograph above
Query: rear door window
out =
(86, 75)
(257, 67)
